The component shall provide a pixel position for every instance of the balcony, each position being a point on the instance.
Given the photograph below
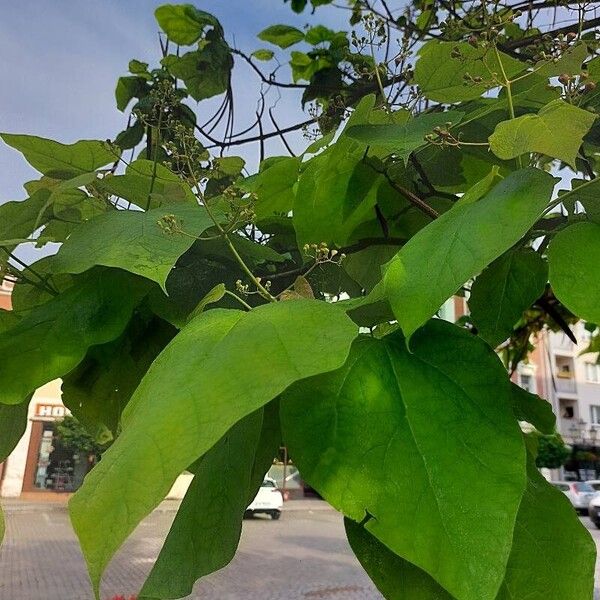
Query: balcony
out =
(566, 385)
(561, 343)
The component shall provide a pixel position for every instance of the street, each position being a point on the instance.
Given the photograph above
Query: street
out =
(303, 556)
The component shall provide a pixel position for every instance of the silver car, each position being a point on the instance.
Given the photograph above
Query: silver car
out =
(580, 493)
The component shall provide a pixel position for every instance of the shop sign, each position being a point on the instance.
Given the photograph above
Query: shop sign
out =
(52, 411)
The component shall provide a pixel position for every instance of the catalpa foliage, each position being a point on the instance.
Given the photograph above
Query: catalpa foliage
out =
(201, 315)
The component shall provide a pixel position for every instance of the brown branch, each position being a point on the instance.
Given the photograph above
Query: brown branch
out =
(532, 39)
(412, 198)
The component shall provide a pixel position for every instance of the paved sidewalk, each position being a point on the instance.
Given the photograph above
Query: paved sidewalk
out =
(303, 556)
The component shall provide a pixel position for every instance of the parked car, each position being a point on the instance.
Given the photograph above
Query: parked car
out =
(595, 483)
(594, 510)
(580, 493)
(269, 500)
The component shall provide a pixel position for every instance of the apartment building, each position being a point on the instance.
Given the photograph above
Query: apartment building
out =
(570, 380)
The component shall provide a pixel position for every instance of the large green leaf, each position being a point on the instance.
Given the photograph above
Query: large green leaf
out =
(184, 23)
(552, 556)
(53, 338)
(394, 435)
(337, 191)
(395, 578)
(133, 240)
(546, 561)
(283, 36)
(222, 366)
(403, 138)
(556, 131)
(574, 262)
(206, 531)
(98, 389)
(441, 76)
(62, 161)
(460, 243)
(504, 290)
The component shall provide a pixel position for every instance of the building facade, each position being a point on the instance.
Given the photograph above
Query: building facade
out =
(570, 380)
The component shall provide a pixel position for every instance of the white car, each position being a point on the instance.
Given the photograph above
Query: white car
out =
(580, 493)
(595, 483)
(268, 500)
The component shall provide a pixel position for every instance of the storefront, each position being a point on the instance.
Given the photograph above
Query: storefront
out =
(40, 462)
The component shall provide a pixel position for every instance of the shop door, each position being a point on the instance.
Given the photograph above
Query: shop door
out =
(50, 466)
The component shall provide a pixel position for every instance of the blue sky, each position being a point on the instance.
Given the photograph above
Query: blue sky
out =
(61, 60)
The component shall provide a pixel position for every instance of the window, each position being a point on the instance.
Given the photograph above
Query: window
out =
(268, 483)
(527, 382)
(592, 372)
(583, 487)
(595, 415)
(568, 413)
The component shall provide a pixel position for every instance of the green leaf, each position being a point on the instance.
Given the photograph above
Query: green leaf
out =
(548, 561)
(263, 54)
(441, 76)
(274, 186)
(214, 295)
(365, 266)
(206, 530)
(13, 422)
(139, 242)
(405, 138)
(283, 36)
(533, 409)
(142, 182)
(62, 161)
(18, 219)
(545, 562)
(395, 578)
(588, 193)
(267, 351)
(205, 72)
(570, 62)
(479, 189)
(389, 417)
(504, 290)
(337, 190)
(127, 89)
(98, 389)
(556, 131)
(319, 34)
(53, 338)
(184, 23)
(460, 243)
(574, 262)
(130, 137)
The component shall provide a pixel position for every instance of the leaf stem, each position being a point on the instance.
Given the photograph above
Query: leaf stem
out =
(155, 163)
(509, 97)
(242, 302)
(261, 288)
